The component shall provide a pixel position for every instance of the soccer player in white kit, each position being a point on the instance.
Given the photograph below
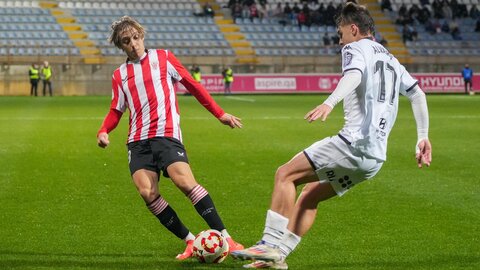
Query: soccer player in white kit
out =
(370, 87)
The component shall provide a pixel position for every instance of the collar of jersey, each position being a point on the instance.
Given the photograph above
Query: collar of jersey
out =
(139, 60)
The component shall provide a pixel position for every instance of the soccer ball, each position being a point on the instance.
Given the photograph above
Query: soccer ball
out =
(210, 246)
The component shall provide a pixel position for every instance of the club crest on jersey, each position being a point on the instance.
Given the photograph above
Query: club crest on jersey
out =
(347, 59)
(154, 65)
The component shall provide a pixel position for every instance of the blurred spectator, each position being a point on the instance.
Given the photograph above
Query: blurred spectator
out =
(467, 74)
(46, 76)
(301, 19)
(402, 11)
(409, 33)
(424, 15)
(231, 4)
(447, 11)
(445, 27)
(455, 31)
(306, 9)
(208, 10)
(295, 8)
(245, 11)
(454, 7)
(34, 75)
(287, 10)
(437, 9)
(263, 11)
(462, 11)
(474, 12)
(437, 26)
(316, 17)
(330, 14)
(386, 4)
(277, 12)
(477, 26)
(237, 11)
(335, 39)
(253, 12)
(414, 12)
(326, 40)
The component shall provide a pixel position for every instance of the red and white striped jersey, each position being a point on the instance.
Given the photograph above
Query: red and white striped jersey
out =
(146, 88)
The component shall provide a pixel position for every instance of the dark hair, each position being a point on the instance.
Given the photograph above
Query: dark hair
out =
(352, 13)
(121, 25)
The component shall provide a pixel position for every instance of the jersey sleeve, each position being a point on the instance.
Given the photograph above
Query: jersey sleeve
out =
(353, 58)
(181, 74)
(407, 82)
(118, 96)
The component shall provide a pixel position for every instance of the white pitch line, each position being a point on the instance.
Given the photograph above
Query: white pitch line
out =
(241, 99)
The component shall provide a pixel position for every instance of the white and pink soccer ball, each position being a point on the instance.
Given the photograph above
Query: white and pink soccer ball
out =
(210, 246)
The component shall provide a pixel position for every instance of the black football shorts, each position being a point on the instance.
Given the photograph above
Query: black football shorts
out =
(155, 154)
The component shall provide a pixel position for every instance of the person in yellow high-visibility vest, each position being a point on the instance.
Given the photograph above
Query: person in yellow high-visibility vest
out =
(196, 74)
(33, 74)
(46, 75)
(227, 79)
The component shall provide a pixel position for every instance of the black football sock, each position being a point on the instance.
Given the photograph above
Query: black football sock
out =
(167, 216)
(204, 205)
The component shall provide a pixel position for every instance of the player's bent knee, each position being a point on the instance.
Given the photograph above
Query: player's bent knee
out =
(148, 194)
(283, 175)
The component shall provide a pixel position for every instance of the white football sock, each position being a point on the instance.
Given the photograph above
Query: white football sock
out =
(190, 236)
(225, 233)
(289, 243)
(275, 226)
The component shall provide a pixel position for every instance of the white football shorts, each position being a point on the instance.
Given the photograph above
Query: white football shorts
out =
(335, 161)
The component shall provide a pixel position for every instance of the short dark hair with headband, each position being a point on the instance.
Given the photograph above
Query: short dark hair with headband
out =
(120, 26)
(352, 13)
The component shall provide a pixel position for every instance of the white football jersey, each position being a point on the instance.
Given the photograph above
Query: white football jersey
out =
(371, 110)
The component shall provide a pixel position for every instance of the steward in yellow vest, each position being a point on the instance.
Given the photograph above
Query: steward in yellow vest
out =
(46, 75)
(33, 74)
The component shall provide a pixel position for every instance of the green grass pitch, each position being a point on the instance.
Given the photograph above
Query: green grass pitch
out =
(67, 204)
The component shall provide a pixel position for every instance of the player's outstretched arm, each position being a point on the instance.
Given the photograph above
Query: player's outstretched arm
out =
(347, 84)
(231, 120)
(423, 149)
(424, 153)
(111, 121)
(321, 111)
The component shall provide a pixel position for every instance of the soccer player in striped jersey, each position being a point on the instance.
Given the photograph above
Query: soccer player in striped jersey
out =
(145, 85)
(370, 87)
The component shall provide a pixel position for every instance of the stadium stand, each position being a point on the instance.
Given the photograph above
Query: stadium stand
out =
(77, 31)
(431, 38)
(26, 29)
